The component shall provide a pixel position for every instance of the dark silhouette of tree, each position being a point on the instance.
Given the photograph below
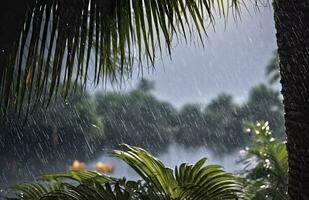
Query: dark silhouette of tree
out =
(224, 124)
(145, 85)
(136, 118)
(191, 126)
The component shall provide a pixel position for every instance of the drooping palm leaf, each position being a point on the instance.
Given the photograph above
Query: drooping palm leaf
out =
(72, 185)
(159, 177)
(86, 192)
(83, 177)
(63, 42)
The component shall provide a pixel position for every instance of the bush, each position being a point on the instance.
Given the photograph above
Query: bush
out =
(267, 177)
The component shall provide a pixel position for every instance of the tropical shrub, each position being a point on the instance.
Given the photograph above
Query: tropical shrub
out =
(267, 177)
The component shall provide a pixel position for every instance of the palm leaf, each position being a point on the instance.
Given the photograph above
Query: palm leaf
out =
(186, 182)
(86, 192)
(83, 177)
(210, 182)
(153, 171)
(63, 43)
(72, 185)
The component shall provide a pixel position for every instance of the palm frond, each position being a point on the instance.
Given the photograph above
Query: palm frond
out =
(86, 192)
(63, 43)
(72, 185)
(210, 182)
(83, 177)
(186, 182)
(152, 170)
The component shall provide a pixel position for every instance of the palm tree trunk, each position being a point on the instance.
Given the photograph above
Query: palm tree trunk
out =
(292, 24)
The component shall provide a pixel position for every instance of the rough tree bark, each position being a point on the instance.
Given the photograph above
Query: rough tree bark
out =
(292, 24)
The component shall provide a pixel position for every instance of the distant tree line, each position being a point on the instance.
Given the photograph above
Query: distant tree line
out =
(138, 118)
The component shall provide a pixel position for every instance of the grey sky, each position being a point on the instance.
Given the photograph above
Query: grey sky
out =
(233, 60)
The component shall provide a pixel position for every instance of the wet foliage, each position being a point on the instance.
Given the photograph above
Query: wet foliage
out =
(266, 165)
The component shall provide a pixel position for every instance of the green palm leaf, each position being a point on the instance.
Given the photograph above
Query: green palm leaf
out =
(72, 185)
(187, 182)
(85, 192)
(83, 177)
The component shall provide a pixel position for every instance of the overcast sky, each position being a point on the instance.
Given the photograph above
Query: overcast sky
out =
(233, 60)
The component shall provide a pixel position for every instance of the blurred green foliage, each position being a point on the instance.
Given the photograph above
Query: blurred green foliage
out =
(50, 138)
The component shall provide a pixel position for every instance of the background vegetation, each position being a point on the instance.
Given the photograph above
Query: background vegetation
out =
(82, 126)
